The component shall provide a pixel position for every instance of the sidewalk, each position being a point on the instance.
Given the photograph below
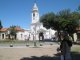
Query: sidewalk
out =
(17, 53)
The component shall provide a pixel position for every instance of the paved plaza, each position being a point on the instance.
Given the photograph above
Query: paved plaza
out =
(45, 52)
(19, 53)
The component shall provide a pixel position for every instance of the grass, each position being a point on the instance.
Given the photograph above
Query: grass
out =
(75, 51)
(22, 43)
(15, 41)
(76, 48)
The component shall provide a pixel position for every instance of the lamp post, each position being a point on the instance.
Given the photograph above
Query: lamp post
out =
(11, 45)
(34, 36)
(34, 33)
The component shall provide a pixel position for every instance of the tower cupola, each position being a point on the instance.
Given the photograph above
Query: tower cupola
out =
(35, 13)
(35, 8)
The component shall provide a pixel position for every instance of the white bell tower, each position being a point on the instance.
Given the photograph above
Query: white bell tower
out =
(35, 21)
(35, 14)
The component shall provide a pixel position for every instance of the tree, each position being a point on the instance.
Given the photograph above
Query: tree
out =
(13, 32)
(64, 21)
(68, 21)
(47, 20)
(0, 27)
(78, 9)
(50, 20)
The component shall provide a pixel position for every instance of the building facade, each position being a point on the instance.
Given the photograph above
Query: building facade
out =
(38, 32)
(21, 34)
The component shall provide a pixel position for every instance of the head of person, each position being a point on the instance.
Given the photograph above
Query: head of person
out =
(65, 36)
(66, 39)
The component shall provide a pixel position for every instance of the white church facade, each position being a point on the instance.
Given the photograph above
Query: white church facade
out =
(38, 32)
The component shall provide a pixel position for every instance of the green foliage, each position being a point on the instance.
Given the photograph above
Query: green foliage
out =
(47, 20)
(64, 13)
(1, 24)
(78, 9)
(50, 20)
(12, 30)
(65, 21)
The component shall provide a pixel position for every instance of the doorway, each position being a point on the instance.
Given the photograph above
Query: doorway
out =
(2, 36)
(41, 36)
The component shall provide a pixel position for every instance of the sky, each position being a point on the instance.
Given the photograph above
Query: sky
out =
(18, 12)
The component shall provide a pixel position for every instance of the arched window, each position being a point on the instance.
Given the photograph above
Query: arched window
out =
(33, 14)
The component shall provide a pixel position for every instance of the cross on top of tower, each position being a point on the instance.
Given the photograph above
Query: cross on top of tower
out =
(35, 1)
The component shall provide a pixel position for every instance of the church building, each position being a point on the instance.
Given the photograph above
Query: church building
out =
(38, 32)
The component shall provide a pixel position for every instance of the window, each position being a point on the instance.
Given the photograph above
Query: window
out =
(33, 14)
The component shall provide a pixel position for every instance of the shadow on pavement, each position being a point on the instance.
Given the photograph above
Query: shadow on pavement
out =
(40, 58)
(75, 56)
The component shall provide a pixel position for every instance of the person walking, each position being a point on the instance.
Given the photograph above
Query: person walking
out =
(65, 48)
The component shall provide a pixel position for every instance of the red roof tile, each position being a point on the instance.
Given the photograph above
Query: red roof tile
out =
(16, 28)
(19, 29)
(4, 29)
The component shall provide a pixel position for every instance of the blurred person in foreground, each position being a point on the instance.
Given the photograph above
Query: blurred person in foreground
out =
(65, 48)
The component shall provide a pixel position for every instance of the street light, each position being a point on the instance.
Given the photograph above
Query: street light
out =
(11, 45)
(35, 38)
(34, 34)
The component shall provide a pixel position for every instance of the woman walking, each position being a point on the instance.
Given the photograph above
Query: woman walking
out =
(65, 48)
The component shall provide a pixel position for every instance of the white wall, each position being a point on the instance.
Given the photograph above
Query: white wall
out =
(1, 37)
(75, 37)
(22, 35)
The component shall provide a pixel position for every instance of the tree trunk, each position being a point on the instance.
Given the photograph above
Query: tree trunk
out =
(59, 36)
